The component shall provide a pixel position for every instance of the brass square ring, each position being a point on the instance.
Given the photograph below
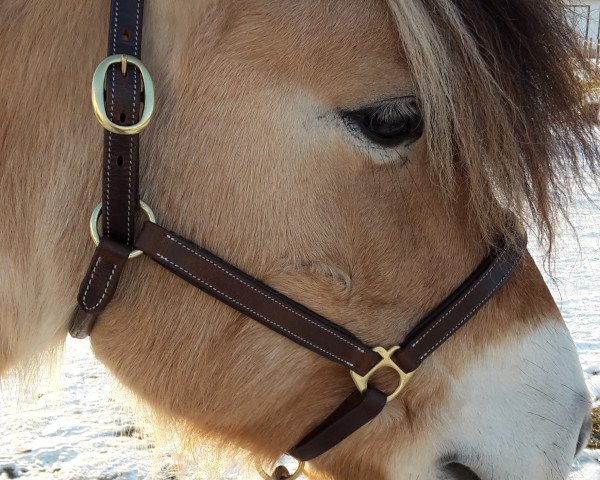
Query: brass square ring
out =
(362, 381)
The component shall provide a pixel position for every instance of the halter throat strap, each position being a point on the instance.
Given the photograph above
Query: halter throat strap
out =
(120, 111)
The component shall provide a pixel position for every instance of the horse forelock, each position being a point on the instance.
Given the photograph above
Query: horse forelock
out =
(500, 85)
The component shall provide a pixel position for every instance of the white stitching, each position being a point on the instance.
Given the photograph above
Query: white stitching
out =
(108, 166)
(198, 254)
(460, 301)
(129, 220)
(475, 308)
(137, 27)
(90, 282)
(112, 116)
(87, 288)
(135, 52)
(135, 83)
(351, 365)
(114, 42)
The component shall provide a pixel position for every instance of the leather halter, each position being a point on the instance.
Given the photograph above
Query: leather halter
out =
(118, 110)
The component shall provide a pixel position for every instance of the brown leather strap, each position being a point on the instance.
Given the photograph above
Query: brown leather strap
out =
(255, 299)
(305, 327)
(355, 412)
(99, 286)
(460, 306)
(121, 157)
(120, 168)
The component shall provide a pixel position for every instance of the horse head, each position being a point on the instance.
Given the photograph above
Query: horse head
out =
(359, 156)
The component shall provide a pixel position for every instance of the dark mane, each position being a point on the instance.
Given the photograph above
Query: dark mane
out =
(501, 85)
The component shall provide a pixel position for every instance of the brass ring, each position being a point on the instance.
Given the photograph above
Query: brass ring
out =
(96, 215)
(98, 94)
(362, 381)
(299, 471)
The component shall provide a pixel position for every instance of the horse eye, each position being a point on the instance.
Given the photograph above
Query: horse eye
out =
(389, 123)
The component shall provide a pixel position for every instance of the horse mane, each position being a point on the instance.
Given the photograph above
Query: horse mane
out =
(501, 89)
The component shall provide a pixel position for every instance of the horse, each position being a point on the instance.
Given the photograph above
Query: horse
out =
(360, 156)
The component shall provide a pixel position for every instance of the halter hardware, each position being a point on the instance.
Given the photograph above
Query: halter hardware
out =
(362, 381)
(96, 216)
(98, 89)
(280, 473)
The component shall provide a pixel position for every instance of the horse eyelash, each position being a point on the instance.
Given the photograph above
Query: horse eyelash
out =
(391, 108)
(380, 153)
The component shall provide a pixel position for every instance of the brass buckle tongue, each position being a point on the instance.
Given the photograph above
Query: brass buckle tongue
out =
(98, 94)
(362, 381)
(280, 473)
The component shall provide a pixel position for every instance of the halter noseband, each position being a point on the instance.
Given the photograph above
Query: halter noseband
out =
(117, 106)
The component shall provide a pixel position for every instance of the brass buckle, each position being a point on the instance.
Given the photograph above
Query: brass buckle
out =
(362, 381)
(98, 94)
(94, 224)
(280, 472)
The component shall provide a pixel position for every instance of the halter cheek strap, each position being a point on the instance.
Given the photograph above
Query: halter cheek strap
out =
(121, 104)
(123, 99)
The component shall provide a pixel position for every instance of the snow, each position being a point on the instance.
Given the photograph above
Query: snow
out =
(71, 432)
(85, 430)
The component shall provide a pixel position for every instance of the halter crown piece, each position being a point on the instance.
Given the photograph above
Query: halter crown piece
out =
(123, 100)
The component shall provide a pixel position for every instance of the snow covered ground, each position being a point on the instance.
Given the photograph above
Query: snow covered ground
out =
(82, 430)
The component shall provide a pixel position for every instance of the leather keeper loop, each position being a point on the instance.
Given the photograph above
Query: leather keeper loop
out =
(99, 284)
